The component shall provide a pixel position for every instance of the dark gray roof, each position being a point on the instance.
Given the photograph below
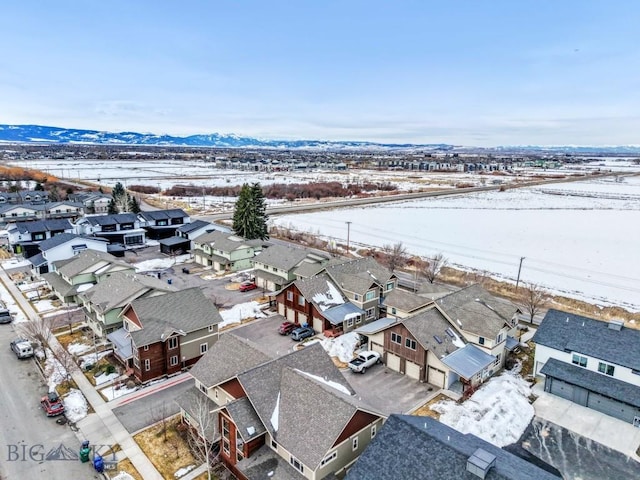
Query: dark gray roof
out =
(308, 269)
(183, 311)
(265, 464)
(193, 401)
(56, 240)
(468, 361)
(227, 358)
(121, 340)
(476, 311)
(111, 219)
(163, 214)
(172, 241)
(321, 290)
(359, 275)
(88, 259)
(420, 448)
(13, 206)
(43, 225)
(37, 260)
(433, 331)
(226, 242)
(594, 381)
(283, 257)
(406, 301)
(246, 419)
(58, 284)
(192, 226)
(574, 333)
(270, 277)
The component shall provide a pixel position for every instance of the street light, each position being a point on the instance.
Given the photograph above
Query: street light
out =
(348, 234)
(519, 270)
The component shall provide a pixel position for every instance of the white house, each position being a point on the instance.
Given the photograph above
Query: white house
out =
(62, 247)
(593, 363)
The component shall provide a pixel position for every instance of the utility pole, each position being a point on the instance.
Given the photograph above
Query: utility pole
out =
(348, 234)
(519, 270)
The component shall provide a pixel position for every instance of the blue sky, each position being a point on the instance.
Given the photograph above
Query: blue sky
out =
(462, 72)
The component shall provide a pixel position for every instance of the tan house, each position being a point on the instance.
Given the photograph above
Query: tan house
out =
(225, 252)
(292, 417)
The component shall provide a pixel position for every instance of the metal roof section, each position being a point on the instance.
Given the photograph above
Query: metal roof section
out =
(338, 314)
(468, 361)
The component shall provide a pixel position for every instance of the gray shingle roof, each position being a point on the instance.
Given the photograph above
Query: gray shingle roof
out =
(421, 448)
(596, 382)
(429, 324)
(359, 275)
(58, 284)
(404, 300)
(321, 291)
(308, 269)
(226, 242)
(194, 402)
(227, 358)
(185, 311)
(265, 464)
(121, 288)
(568, 332)
(87, 259)
(281, 256)
(246, 419)
(477, 311)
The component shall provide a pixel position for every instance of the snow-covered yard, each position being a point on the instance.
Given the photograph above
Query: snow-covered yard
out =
(239, 312)
(113, 391)
(160, 263)
(498, 412)
(75, 405)
(342, 346)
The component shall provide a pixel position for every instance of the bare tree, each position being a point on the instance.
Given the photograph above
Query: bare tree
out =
(395, 255)
(64, 358)
(204, 428)
(158, 416)
(434, 266)
(37, 330)
(533, 299)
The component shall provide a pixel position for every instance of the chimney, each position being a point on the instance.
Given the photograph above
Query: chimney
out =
(480, 463)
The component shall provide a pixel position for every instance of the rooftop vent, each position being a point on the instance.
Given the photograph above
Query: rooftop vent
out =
(616, 325)
(480, 462)
(437, 338)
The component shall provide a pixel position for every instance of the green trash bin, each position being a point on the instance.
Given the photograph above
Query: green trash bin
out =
(85, 450)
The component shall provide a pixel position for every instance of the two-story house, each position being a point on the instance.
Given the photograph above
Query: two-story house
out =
(61, 247)
(292, 417)
(92, 202)
(24, 237)
(182, 241)
(104, 302)
(161, 224)
(276, 265)
(225, 252)
(123, 228)
(76, 274)
(24, 196)
(592, 363)
(402, 304)
(167, 333)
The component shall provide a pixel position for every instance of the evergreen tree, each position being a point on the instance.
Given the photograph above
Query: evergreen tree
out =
(54, 194)
(38, 187)
(249, 217)
(134, 205)
(111, 208)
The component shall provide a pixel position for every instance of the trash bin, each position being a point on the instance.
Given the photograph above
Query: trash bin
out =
(85, 451)
(98, 463)
(169, 281)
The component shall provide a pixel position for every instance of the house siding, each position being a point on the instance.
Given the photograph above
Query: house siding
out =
(417, 356)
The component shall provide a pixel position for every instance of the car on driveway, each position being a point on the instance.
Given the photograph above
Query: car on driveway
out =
(246, 286)
(286, 328)
(301, 333)
(52, 405)
(364, 360)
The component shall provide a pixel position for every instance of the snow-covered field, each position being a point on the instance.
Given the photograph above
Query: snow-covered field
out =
(578, 239)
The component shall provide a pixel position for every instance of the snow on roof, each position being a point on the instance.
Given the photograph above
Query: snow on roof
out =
(330, 383)
(84, 287)
(326, 299)
(275, 414)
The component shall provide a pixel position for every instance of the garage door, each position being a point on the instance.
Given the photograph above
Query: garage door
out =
(413, 370)
(393, 362)
(281, 309)
(317, 325)
(377, 348)
(612, 407)
(291, 315)
(436, 377)
(560, 388)
(302, 318)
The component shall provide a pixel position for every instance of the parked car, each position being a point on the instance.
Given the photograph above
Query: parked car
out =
(301, 333)
(364, 360)
(52, 405)
(5, 316)
(286, 328)
(22, 348)
(246, 286)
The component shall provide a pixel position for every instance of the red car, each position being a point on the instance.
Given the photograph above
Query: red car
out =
(52, 405)
(246, 286)
(286, 328)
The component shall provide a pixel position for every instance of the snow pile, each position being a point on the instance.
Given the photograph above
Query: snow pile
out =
(160, 263)
(239, 312)
(498, 412)
(8, 300)
(92, 358)
(26, 287)
(342, 346)
(78, 348)
(15, 262)
(75, 406)
(183, 471)
(54, 371)
(113, 392)
(43, 305)
(123, 476)
(105, 378)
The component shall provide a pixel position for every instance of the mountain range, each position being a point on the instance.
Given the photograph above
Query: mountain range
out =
(38, 134)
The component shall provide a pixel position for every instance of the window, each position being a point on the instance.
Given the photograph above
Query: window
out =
(212, 328)
(215, 393)
(356, 297)
(354, 443)
(498, 359)
(389, 286)
(393, 310)
(395, 338)
(499, 338)
(173, 343)
(203, 348)
(369, 312)
(147, 365)
(359, 319)
(579, 360)
(274, 444)
(349, 322)
(373, 431)
(173, 360)
(136, 361)
(295, 463)
(606, 368)
(145, 348)
(410, 343)
(301, 300)
(329, 458)
(290, 296)
(203, 389)
(371, 294)
(481, 340)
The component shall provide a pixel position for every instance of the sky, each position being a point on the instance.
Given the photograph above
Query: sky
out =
(500, 72)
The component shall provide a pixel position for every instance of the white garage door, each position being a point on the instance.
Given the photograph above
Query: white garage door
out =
(413, 370)
(291, 315)
(281, 309)
(317, 325)
(393, 362)
(377, 348)
(436, 377)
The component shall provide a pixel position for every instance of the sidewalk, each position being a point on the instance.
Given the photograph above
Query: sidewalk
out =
(103, 420)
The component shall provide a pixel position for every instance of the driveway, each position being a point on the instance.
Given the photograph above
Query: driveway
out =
(264, 334)
(388, 391)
